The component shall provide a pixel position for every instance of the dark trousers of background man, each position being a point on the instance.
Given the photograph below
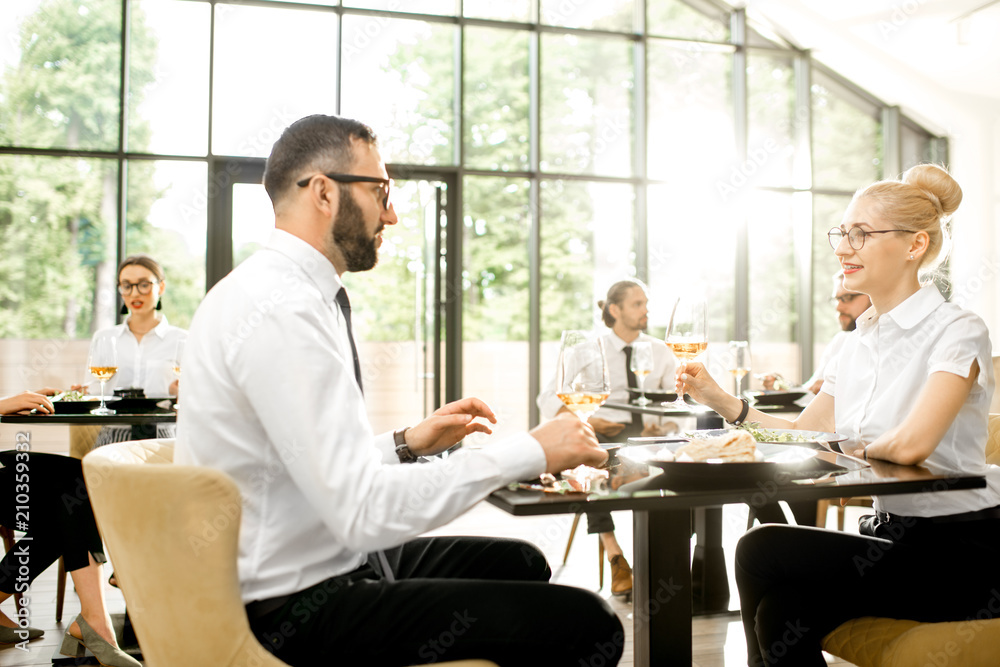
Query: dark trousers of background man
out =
(601, 522)
(453, 598)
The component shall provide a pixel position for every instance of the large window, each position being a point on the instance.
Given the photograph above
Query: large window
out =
(542, 150)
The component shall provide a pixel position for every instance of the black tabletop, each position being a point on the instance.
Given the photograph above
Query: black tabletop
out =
(156, 417)
(645, 487)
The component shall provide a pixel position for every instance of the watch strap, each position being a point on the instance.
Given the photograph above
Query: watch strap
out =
(403, 451)
(743, 413)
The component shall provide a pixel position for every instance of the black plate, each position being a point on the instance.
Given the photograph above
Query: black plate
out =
(139, 405)
(655, 396)
(775, 397)
(658, 397)
(781, 465)
(82, 407)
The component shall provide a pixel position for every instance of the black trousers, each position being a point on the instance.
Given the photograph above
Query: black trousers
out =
(60, 520)
(798, 584)
(454, 598)
(601, 522)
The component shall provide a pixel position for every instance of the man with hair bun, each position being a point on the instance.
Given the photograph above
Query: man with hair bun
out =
(625, 312)
(911, 386)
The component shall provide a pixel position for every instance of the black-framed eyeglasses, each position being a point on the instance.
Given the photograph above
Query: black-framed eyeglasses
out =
(856, 237)
(144, 287)
(844, 298)
(353, 178)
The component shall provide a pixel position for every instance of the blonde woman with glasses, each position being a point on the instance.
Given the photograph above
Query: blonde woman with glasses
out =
(912, 385)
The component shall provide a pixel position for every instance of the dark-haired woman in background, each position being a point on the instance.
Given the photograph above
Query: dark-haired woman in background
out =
(147, 342)
(912, 384)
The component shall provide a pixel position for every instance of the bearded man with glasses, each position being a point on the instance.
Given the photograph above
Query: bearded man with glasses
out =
(331, 563)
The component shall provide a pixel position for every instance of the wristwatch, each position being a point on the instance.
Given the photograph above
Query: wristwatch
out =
(403, 450)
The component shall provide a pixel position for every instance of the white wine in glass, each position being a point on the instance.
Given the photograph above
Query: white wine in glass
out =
(641, 364)
(687, 334)
(103, 365)
(739, 362)
(582, 381)
(176, 364)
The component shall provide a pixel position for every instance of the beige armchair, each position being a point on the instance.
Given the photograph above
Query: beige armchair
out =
(887, 642)
(173, 533)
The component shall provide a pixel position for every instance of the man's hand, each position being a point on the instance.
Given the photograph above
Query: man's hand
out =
(448, 425)
(568, 442)
(657, 430)
(606, 426)
(25, 402)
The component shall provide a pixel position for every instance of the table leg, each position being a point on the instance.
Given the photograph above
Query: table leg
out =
(707, 420)
(709, 581)
(143, 431)
(662, 588)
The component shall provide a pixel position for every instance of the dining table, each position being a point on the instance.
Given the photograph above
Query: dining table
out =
(662, 497)
(143, 423)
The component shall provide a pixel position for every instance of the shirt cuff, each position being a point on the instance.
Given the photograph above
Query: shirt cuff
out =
(517, 457)
(386, 447)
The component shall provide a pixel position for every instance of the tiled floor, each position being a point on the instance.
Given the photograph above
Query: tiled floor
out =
(717, 641)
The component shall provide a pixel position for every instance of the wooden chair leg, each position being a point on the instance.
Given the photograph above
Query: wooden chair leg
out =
(569, 542)
(822, 507)
(841, 510)
(7, 535)
(60, 589)
(600, 562)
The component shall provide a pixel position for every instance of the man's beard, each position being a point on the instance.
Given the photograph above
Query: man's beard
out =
(350, 236)
(850, 327)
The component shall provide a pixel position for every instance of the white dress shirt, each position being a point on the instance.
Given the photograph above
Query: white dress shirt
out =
(830, 354)
(883, 369)
(662, 378)
(147, 363)
(270, 398)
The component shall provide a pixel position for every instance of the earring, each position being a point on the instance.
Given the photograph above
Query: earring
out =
(124, 310)
(911, 256)
(159, 303)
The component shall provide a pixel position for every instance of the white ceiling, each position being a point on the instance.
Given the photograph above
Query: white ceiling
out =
(924, 36)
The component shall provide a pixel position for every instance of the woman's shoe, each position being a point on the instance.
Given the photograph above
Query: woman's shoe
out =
(106, 654)
(17, 635)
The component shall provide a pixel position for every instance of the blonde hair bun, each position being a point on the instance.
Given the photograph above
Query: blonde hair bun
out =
(943, 191)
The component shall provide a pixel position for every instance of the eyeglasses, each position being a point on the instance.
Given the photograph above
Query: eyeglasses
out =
(844, 298)
(856, 237)
(144, 287)
(351, 178)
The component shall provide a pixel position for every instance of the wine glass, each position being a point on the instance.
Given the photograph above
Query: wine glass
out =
(641, 364)
(176, 364)
(687, 334)
(739, 362)
(103, 364)
(582, 380)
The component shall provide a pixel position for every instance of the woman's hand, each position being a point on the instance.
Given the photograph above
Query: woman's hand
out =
(448, 425)
(25, 402)
(694, 379)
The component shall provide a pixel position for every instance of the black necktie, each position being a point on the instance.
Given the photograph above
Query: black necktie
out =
(345, 308)
(630, 378)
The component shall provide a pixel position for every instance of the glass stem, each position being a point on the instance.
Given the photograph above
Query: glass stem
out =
(102, 394)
